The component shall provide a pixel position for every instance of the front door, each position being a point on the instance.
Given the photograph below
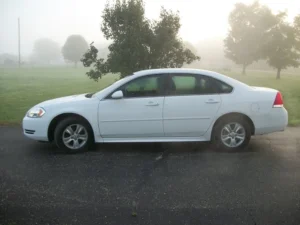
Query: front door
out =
(190, 105)
(138, 114)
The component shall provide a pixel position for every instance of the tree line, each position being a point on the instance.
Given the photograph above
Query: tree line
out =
(137, 43)
(256, 33)
(47, 50)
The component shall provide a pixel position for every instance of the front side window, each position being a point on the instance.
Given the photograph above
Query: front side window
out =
(149, 86)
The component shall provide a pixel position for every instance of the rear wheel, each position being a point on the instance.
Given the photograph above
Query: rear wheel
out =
(73, 135)
(232, 134)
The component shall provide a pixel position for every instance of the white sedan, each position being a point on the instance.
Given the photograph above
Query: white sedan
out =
(160, 105)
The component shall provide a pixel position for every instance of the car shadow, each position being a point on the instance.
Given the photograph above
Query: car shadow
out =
(146, 148)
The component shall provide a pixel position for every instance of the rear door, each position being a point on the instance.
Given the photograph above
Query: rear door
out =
(191, 104)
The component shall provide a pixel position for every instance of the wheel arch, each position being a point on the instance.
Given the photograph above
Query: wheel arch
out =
(55, 121)
(234, 114)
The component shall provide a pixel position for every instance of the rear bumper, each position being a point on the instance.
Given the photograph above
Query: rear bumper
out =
(35, 128)
(275, 120)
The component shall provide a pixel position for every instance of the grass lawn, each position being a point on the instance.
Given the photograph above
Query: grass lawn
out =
(21, 89)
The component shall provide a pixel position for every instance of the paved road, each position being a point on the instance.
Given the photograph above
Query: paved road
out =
(187, 184)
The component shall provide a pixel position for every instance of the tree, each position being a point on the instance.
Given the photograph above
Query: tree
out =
(46, 50)
(74, 48)
(282, 48)
(248, 27)
(297, 30)
(137, 43)
(8, 59)
(191, 47)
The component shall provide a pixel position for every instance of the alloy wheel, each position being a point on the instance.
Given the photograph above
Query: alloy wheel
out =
(75, 136)
(233, 135)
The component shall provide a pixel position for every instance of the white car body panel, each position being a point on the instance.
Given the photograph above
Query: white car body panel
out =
(76, 104)
(189, 116)
(125, 118)
(163, 119)
(154, 139)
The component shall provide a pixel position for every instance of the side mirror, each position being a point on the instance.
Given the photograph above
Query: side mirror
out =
(117, 95)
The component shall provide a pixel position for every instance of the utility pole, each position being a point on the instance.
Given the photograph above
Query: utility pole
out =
(19, 40)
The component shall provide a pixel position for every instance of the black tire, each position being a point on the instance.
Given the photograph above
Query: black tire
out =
(218, 129)
(59, 132)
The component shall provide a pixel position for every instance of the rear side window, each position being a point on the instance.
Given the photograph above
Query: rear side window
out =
(189, 84)
(222, 87)
(206, 86)
(183, 85)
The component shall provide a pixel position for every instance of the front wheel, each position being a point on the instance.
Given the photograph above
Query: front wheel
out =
(232, 134)
(73, 135)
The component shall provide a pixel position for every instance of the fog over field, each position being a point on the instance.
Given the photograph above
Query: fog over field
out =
(204, 23)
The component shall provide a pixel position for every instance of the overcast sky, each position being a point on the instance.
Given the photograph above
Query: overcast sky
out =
(56, 19)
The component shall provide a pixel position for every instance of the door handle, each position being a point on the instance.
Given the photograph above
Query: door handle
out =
(212, 101)
(152, 104)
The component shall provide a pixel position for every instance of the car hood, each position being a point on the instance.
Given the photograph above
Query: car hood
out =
(63, 100)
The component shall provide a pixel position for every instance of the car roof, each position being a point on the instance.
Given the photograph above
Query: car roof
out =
(183, 70)
(174, 70)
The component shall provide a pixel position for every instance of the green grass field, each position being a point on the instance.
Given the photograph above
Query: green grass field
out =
(21, 89)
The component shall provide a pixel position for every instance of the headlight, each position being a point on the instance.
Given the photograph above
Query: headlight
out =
(36, 112)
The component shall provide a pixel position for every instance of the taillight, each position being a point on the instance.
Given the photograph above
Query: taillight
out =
(278, 101)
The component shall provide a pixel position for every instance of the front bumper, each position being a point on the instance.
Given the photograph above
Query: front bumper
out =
(35, 128)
